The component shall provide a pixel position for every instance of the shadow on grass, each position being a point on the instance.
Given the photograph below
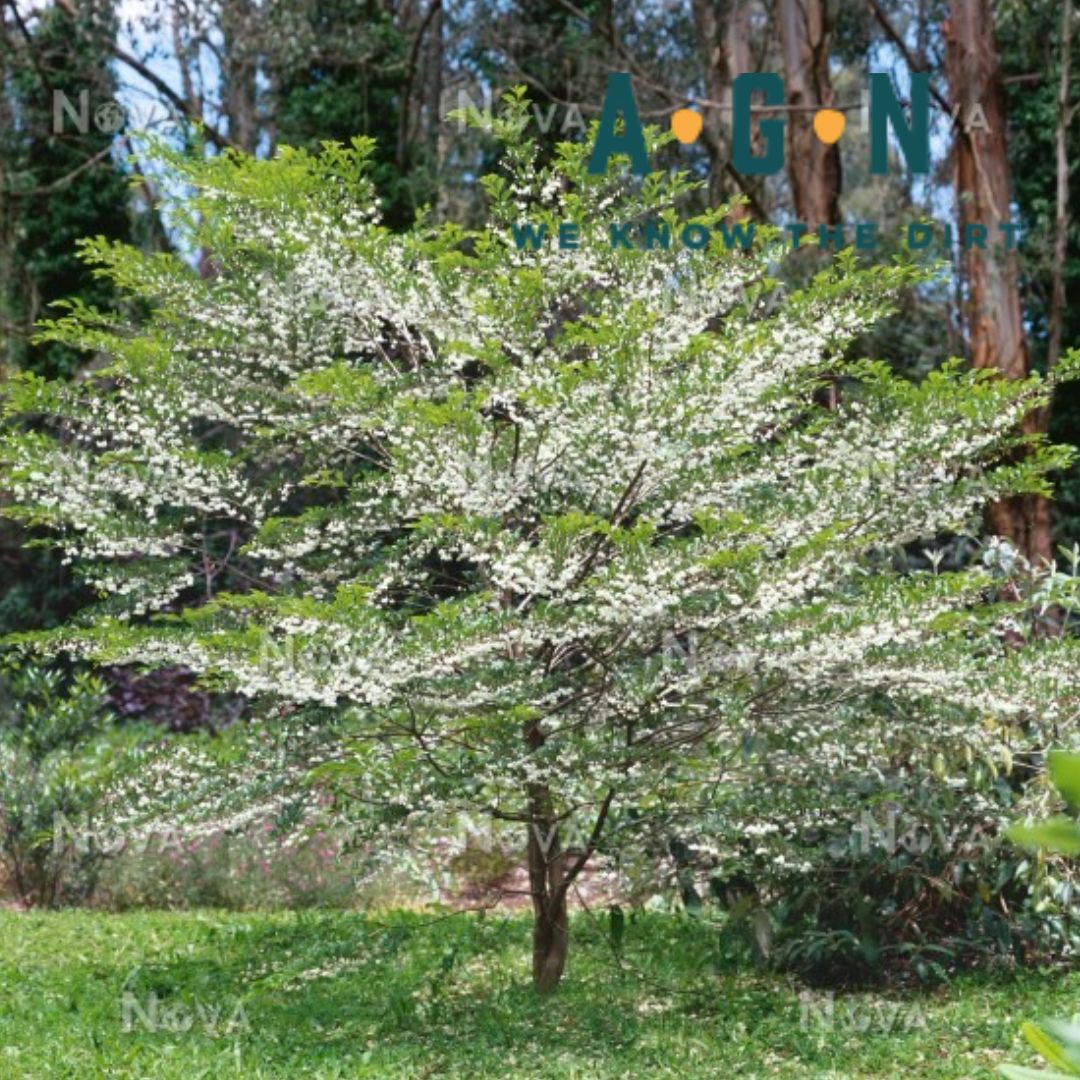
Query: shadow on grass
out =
(414, 994)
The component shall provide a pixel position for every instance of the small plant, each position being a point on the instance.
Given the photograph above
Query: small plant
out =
(55, 754)
(1057, 1041)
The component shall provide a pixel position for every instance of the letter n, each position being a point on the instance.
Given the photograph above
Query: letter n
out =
(79, 836)
(130, 1008)
(61, 107)
(886, 111)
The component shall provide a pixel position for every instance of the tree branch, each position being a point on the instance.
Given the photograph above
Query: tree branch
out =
(159, 84)
(63, 181)
(910, 59)
(590, 846)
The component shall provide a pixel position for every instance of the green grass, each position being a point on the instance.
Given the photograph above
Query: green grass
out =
(416, 995)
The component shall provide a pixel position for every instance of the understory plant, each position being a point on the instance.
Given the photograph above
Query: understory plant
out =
(1057, 1041)
(876, 845)
(59, 753)
(476, 494)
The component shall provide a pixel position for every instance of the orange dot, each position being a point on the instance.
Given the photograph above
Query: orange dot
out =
(829, 125)
(686, 124)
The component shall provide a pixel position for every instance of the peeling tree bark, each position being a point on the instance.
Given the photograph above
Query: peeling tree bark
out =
(813, 166)
(993, 316)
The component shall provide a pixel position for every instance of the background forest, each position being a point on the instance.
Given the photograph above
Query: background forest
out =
(867, 851)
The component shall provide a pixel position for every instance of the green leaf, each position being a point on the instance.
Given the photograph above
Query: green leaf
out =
(1065, 773)
(618, 927)
(1056, 834)
(1067, 1035)
(1018, 1072)
(1049, 1049)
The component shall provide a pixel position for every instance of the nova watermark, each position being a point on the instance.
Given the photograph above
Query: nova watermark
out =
(87, 111)
(859, 1016)
(895, 832)
(84, 838)
(211, 1018)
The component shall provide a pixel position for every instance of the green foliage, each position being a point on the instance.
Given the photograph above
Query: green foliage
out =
(1029, 40)
(482, 488)
(1056, 1041)
(873, 846)
(62, 185)
(350, 81)
(58, 187)
(58, 753)
(256, 869)
(1061, 833)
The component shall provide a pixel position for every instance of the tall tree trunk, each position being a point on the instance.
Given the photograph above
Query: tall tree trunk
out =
(813, 166)
(710, 18)
(8, 313)
(1061, 216)
(433, 89)
(412, 98)
(993, 317)
(724, 32)
(239, 71)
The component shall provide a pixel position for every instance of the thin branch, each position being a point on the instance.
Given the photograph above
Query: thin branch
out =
(63, 181)
(910, 59)
(590, 846)
(410, 77)
(187, 108)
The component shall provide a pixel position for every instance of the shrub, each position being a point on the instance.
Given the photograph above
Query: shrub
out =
(59, 752)
(1058, 1042)
(470, 494)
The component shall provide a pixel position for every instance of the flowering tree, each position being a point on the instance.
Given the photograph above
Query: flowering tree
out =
(568, 522)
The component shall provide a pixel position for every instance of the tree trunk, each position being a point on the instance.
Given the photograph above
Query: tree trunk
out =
(412, 97)
(813, 166)
(9, 313)
(724, 32)
(709, 18)
(1061, 215)
(551, 927)
(993, 317)
(433, 90)
(239, 73)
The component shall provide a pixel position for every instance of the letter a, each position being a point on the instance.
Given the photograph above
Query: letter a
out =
(619, 99)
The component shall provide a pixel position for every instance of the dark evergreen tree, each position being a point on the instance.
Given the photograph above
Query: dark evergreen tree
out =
(62, 178)
(59, 181)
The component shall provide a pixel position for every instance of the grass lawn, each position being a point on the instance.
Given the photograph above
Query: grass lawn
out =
(408, 995)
